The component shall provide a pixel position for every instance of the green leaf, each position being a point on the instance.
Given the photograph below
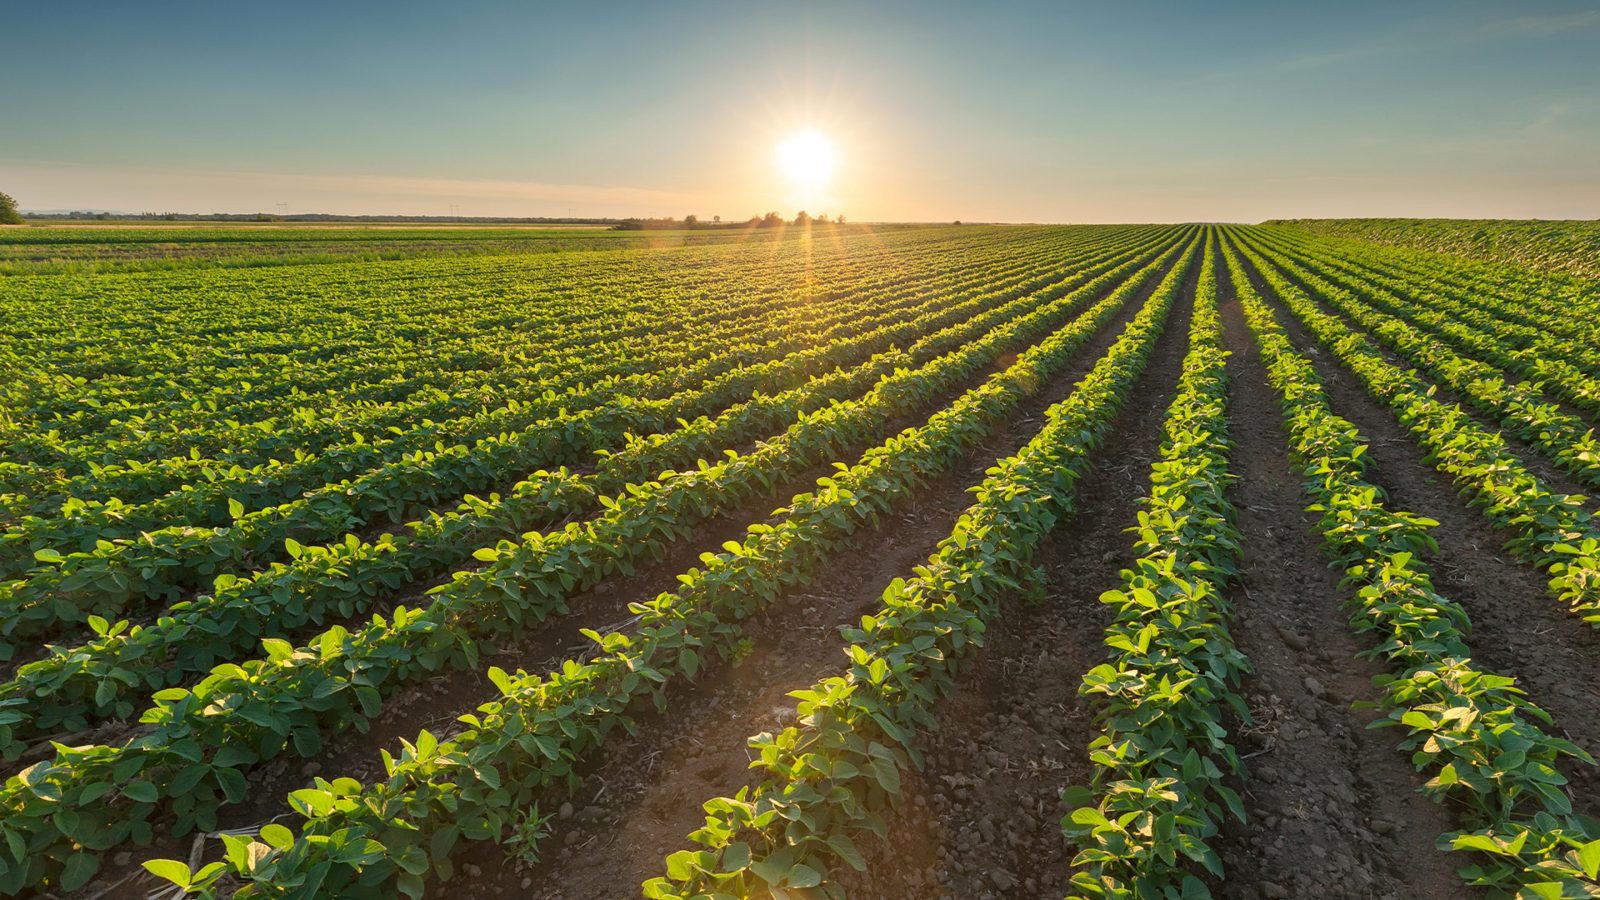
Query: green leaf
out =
(170, 869)
(803, 876)
(142, 791)
(736, 856)
(1477, 842)
(235, 509)
(680, 865)
(79, 869)
(1589, 858)
(277, 836)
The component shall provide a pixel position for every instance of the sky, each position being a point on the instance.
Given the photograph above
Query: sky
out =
(1021, 112)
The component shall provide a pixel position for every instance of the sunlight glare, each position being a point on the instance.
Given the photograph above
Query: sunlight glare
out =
(808, 158)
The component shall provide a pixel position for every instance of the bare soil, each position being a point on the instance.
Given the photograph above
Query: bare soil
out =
(1333, 810)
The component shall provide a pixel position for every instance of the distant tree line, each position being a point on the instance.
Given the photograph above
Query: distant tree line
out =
(691, 222)
(103, 215)
(10, 216)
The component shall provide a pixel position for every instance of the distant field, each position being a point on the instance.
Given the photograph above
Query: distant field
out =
(925, 561)
(1571, 246)
(339, 226)
(100, 247)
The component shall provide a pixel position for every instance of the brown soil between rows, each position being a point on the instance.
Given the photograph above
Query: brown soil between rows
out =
(1333, 810)
(983, 817)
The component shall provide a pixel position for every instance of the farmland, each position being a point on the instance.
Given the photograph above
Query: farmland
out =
(977, 561)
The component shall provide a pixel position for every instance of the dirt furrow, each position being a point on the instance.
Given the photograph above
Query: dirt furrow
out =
(1334, 810)
(982, 820)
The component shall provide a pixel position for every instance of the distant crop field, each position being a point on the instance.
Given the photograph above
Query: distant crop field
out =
(978, 561)
(1571, 246)
(123, 247)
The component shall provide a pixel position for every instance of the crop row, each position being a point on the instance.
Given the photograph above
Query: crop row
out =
(197, 491)
(1510, 287)
(474, 785)
(630, 351)
(1543, 245)
(1521, 407)
(159, 564)
(1552, 344)
(1158, 795)
(443, 324)
(234, 355)
(1475, 323)
(94, 521)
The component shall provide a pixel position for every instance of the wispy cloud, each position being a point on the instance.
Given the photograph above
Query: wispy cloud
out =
(1542, 25)
(1410, 40)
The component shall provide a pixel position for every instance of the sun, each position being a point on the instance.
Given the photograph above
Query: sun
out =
(808, 158)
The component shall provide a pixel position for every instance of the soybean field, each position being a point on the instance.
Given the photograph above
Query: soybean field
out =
(1165, 561)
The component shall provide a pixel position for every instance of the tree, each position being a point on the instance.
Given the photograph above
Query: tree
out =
(716, 220)
(802, 219)
(839, 219)
(8, 211)
(771, 220)
(691, 221)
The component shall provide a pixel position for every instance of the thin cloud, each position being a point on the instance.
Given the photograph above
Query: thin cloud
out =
(1541, 25)
(1435, 34)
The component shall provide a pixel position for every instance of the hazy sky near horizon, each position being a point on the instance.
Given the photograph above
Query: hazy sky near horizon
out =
(1059, 112)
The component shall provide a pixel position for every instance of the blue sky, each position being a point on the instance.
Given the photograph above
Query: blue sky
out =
(1005, 111)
